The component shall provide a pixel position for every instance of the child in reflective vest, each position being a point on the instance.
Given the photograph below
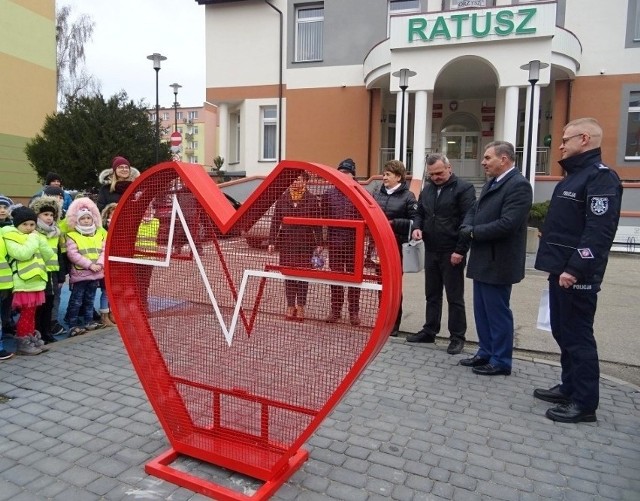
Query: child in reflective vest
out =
(6, 284)
(27, 252)
(85, 251)
(106, 316)
(49, 211)
(8, 326)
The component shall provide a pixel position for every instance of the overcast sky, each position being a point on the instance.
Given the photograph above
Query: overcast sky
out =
(127, 31)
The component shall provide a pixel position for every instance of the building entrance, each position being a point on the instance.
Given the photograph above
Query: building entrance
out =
(462, 150)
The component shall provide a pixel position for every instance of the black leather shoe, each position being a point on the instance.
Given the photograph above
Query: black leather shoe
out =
(421, 337)
(552, 395)
(491, 370)
(571, 413)
(474, 361)
(455, 346)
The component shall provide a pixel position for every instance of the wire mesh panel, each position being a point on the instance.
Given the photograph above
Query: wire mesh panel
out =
(246, 327)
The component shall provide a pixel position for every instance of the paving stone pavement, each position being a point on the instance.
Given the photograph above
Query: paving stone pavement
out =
(416, 426)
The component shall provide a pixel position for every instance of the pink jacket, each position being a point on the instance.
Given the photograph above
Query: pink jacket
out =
(79, 269)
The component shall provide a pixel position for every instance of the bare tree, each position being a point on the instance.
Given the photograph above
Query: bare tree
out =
(71, 37)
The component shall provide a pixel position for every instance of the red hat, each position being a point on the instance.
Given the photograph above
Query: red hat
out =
(117, 161)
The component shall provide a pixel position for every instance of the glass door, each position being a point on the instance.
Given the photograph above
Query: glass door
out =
(462, 150)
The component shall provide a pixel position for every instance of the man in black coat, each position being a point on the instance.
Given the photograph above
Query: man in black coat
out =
(497, 229)
(442, 206)
(576, 238)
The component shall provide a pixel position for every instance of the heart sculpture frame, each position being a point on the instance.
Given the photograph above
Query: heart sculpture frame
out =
(235, 380)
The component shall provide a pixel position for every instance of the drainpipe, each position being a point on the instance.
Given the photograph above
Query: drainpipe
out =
(279, 82)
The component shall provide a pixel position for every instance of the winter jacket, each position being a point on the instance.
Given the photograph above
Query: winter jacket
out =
(499, 221)
(440, 216)
(400, 207)
(582, 220)
(105, 195)
(27, 254)
(335, 205)
(294, 238)
(83, 251)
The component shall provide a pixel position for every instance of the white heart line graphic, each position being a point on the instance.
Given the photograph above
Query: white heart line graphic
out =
(176, 210)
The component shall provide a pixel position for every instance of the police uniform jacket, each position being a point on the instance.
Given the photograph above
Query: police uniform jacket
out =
(440, 215)
(582, 220)
(400, 207)
(499, 221)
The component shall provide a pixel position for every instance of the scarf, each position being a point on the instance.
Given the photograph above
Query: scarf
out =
(87, 230)
(296, 194)
(48, 231)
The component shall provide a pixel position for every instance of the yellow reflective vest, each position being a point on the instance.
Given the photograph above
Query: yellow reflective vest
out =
(88, 246)
(147, 236)
(27, 256)
(6, 276)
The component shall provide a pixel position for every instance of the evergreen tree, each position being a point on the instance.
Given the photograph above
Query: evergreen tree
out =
(81, 140)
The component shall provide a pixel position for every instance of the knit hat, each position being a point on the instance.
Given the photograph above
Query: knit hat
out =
(348, 165)
(22, 214)
(5, 201)
(119, 161)
(84, 212)
(54, 191)
(52, 176)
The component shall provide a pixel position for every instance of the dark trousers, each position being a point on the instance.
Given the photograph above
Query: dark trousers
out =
(296, 290)
(83, 295)
(341, 260)
(494, 323)
(439, 273)
(43, 317)
(6, 298)
(572, 315)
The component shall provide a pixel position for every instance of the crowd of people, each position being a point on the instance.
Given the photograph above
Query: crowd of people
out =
(54, 237)
(43, 243)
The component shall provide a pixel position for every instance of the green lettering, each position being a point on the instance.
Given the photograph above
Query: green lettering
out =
(522, 29)
(417, 27)
(458, 18)
(503, 18)
(440, 29)
(474, 25)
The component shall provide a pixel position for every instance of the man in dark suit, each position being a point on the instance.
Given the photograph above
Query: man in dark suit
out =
(497, 229)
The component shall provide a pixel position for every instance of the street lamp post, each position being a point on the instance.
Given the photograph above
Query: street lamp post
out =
(175, 86)
(534, 68)
(404, 74)
(157, 58)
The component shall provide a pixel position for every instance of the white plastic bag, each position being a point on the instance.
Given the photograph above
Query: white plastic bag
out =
(413, 256)
(544, 317)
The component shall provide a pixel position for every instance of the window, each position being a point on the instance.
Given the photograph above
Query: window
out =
(633, 24)
(193, 145)
(179, 115)
(234, 138)
(309, 28)
(165, 116)
(632, 146)
(193, 159)
(152, 117)
(469, 4)
(192, 130)
(403, 6)
(269, 128)
(193, 115)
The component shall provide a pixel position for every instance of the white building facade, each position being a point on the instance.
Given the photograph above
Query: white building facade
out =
(319, 80)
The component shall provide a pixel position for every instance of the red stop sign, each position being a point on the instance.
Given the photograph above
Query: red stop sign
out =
(176, 138)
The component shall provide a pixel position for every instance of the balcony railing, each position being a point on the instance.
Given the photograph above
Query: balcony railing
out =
(542, 160)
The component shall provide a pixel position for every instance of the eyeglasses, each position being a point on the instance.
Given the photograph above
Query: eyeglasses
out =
(565, 139)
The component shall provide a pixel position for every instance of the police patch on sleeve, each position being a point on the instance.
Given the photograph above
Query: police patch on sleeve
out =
(599, 205)
(586, 253)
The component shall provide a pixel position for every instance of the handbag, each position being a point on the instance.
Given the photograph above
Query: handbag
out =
(413, 256)
(544, 315)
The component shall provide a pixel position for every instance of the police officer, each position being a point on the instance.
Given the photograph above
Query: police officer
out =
(576, 238)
